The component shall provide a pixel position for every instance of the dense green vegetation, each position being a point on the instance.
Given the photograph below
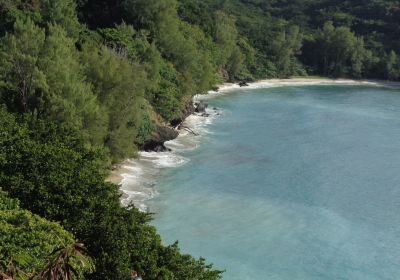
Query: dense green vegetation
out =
(358, 39)
(31, 241)
(85, 83)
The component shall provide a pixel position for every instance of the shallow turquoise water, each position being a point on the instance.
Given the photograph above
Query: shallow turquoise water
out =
(293, 183)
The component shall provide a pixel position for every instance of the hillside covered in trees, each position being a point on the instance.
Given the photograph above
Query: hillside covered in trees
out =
(86, 83)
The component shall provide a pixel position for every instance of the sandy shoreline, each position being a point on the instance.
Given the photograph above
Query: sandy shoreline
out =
(115, 175)
(303, 81)
(134, 176)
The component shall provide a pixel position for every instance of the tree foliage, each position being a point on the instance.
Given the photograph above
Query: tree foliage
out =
(28, 241)
(341, 53)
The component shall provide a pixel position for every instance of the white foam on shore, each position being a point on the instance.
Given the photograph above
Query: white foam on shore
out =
(164, 159)
(140, 175)
(231, 87)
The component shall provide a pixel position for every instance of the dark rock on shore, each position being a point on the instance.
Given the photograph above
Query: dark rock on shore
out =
(216, 89)
(243, 84)
(200, 107)
(161, 135)
(187, 111)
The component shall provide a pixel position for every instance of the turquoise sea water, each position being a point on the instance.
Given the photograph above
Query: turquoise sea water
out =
(292, 183)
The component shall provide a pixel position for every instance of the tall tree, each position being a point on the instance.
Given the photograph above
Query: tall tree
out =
(70, 99)
(22, 83)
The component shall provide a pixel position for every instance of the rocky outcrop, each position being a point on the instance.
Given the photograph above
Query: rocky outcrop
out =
(188, 110)
(161, 135)
(200, 107)
(215, 88)
(243, 84)
(164, 133)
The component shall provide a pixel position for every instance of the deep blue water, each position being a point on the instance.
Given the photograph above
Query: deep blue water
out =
(293, 183)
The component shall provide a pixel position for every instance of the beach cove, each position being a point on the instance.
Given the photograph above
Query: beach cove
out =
(287, 180)
(137, 177)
